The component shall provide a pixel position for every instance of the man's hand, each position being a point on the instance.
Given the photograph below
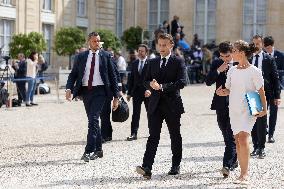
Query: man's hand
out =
(68, 95)
(155, 85)
(223, 67)
(115, 104)
(222, 92)
(128, 98)
(277, 102)
(147, 93)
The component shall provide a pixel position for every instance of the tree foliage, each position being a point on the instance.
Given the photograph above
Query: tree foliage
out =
(109, 39)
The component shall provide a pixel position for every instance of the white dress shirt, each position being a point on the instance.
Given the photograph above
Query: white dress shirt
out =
(260, 58)
(144, 61)
(167, 59)
(121, 64)
(97, 80)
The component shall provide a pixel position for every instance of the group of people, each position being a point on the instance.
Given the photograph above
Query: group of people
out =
(241, 68)
(26, 71)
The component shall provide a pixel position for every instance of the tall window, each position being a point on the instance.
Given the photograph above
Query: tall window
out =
(254, 18)
(6, 32)
(205, 20)
(47, 31)
(158, 12)
(81, 8)
(6, 2)
(119, 17)
(47, 5)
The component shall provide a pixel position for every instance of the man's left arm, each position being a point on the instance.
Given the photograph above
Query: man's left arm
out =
(181, 78)
(275, 80)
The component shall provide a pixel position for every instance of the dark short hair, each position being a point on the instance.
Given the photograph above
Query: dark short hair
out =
(225, 47)
(145, 46)
(268, 40)
(257, 36)
(167, 36)
(92, 34)
(31, 56)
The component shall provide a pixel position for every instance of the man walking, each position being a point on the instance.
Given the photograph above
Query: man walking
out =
(94, 77)
(165, 76)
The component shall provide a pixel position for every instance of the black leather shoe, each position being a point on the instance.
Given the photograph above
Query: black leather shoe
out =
(271, 139)
(175, 170)
(97, 154)
(132, 137)
(107, 139)
(144, 171)
(234, 166)
(225, 171)
(254, 153)
(86, 157)
(29, 105)
(34, 104)
(261, 154)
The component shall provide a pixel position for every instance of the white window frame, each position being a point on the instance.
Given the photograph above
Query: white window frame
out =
(79, 12)
(119, 11)
(255, 23)
(206, 24)
(5, 36)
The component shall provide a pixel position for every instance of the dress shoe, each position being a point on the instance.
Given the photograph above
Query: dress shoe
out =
(234, 166)
(175, 170)
(86, 157)
(97, 154)
(132, 137)
(33, 104)
(254, 153)
(107, 139)
(271, 139)
(144, 171)
(225, 172)
(28, 105)
(261, 154)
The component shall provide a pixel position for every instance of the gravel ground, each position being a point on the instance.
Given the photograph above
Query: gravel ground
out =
(41, 148)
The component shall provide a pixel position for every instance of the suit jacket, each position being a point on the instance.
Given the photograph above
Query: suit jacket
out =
(271, 77)
(218, 102)
(173, 79)
(21, 71)
(107, 72)
(136, 80)
(279, 59)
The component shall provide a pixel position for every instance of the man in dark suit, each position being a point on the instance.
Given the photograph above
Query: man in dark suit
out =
(268, 43)
(137, 90)
(94, 77)
(165, 76)
(272, 92)
(218, 75)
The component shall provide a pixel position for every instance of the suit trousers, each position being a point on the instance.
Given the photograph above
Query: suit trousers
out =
(21, 90)
(138, 99)
(93, 100)
(230, 154)
(273, 110)
(155, 125)
(105, 120)
(258, 133)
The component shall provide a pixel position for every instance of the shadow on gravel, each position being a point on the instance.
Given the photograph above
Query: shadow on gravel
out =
(197, 145)
(49, 144)
(43, 163)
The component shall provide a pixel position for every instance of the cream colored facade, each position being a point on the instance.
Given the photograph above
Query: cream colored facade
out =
(30, 15)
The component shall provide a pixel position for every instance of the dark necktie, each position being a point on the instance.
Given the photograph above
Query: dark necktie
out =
(256, 60)
(141, 67)
(92, 69)
(164, 63)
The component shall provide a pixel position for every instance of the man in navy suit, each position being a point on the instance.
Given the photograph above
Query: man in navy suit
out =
(165, 76)
(93, 78)
(272, 89)
(137, 90)
(268, 43)
(218, 75)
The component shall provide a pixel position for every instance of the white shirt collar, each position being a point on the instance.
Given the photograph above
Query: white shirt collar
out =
(261, 52)
(91, 52)
(167, 57)
(143, 59)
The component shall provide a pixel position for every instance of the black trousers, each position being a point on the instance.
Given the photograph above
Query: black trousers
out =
(273, 110)
(155, 124)
(230, 154)
(138, 99)
(105, 120)
(94, 101)
(258, 133)
(21, 90)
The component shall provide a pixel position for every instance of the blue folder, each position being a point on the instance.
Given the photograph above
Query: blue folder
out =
(254, 103)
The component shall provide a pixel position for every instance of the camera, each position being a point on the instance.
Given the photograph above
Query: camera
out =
(6, 58)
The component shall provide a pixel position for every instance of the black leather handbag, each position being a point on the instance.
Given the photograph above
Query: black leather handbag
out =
(121, 114)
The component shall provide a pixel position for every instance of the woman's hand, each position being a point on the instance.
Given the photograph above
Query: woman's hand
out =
(261, 113)
(222, 92)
